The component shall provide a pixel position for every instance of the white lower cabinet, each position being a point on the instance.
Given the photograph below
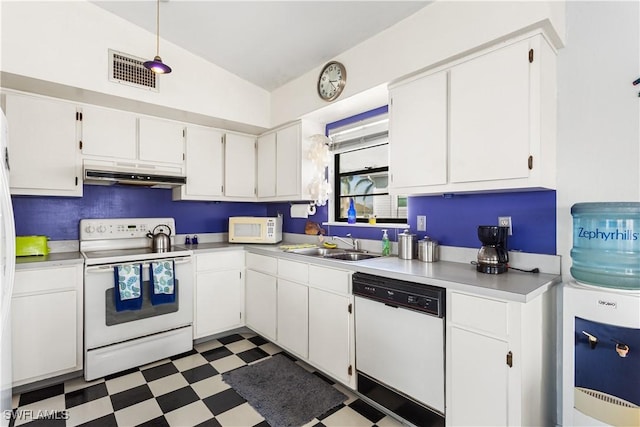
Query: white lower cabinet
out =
(293, 321)
(331, 324)
(260, 303)
(477, 360)
(498, 362)
(304, 308)
(331, 344)
(46, 310)
(219, 292)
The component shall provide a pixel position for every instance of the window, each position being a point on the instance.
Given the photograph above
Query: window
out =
(361, 171)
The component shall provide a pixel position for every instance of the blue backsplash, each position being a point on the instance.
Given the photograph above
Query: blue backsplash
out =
(452, 221)
(58, 217)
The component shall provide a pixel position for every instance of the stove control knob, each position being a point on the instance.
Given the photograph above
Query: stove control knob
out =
(89, 229)
(102, 229)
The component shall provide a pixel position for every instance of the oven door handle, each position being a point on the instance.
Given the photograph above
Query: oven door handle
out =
(110, 267)
(100, 269)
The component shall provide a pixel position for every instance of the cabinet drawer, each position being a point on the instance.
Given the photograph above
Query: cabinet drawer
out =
(480, 314)
(46, 280)
(262, 263)
(330, 279)
(231, 260)
(293, 270)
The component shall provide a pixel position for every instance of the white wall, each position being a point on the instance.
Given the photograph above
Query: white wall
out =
(442, 30)
(66, 42)
(598, 111)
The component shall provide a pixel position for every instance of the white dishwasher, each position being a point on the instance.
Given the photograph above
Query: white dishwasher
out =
(400, 346)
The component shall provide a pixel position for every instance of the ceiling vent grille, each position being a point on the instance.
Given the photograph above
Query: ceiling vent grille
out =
(129, 70)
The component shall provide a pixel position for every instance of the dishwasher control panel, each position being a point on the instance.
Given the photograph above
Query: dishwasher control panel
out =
(399, 293)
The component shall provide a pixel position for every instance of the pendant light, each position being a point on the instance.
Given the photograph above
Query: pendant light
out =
(157, 66)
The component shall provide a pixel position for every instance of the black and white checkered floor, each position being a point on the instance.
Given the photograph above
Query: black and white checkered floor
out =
(186, 390)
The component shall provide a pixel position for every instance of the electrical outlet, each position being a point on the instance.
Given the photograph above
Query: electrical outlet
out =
(505, 221)
(422, 223)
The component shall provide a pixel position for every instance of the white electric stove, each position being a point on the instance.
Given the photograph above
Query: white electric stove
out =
(118, 340)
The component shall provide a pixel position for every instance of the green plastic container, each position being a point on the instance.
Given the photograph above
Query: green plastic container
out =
(31, 245)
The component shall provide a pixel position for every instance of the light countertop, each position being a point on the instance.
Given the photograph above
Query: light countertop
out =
(50, 260)
(512, 286)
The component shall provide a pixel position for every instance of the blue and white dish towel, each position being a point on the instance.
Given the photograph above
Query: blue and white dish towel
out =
(128, 287)
(162, 279)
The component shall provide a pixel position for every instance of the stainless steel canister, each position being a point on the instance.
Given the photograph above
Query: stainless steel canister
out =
(407, 245)
(428, 250)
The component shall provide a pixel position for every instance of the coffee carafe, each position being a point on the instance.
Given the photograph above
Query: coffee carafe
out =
(493, 257)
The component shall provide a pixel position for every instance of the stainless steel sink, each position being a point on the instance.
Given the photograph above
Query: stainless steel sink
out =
(341, 254)
(317, 251)
(352, 256)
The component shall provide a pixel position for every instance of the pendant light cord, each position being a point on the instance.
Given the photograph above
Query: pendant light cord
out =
(158, 28)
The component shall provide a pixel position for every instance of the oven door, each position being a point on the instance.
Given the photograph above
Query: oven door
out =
(104, 325)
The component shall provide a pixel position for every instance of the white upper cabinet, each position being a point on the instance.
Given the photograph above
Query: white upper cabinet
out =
(113, 135)
(489, 133)
(289, 162)
(160, 141)
(204, 165)
(266, 165)
(418, 131)
(108, 133)
(284, 167)
(240, 167)
(43, 148)
(492, 126)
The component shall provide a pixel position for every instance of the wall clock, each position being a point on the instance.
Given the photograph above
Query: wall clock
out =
(332, 80)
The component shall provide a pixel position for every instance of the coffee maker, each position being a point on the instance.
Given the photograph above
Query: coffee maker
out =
(493, 257)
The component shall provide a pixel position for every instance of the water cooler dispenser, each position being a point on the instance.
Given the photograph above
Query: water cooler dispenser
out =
(601, 318)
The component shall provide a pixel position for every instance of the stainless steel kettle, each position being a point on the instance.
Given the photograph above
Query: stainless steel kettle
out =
(160, 241)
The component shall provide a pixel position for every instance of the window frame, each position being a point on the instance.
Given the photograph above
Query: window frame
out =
(335, 174)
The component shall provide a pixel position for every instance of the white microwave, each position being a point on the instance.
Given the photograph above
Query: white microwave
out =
(255, 229)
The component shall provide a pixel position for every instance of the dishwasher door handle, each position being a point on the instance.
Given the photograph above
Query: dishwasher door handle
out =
(390, 305)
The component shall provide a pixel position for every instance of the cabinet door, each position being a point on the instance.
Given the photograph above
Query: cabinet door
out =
(260, 303)
(218, 303)
(203, 162)
(160, 141)
(266, 163)
(418, 132)
(288, 161)
(478, 381)
(293, 324)
(108, 133)
(330, 333)
(489, 116)
(240, 166)
(44, 334)
(43, 147)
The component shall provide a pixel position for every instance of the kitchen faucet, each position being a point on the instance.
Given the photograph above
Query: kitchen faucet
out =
(355, 243)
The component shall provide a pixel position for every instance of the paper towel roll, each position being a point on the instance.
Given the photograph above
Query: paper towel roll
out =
(299, 211)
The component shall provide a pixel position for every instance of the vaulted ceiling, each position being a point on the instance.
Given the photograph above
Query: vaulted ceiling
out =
(268, 43)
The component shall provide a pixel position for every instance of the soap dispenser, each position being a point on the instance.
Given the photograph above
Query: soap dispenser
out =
(386, 245)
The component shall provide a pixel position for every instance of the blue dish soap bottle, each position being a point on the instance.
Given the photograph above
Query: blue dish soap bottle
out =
(386, 245)
(351, 213)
